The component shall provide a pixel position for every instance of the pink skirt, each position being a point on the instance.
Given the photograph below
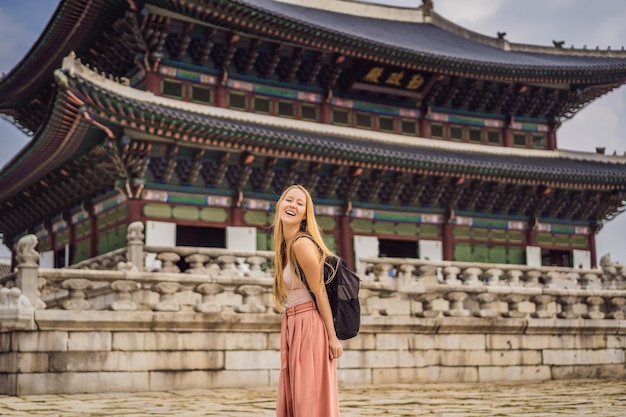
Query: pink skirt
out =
(307, 385)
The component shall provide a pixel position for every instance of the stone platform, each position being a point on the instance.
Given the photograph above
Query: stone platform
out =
(551, 398)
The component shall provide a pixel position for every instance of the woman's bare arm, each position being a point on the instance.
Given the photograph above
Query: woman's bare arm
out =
(308, 258)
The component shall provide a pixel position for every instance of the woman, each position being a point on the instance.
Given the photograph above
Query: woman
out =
(309, 347)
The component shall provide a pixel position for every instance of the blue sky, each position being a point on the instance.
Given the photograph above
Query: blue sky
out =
(578, 22)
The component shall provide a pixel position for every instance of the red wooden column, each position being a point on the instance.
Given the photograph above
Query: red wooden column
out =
(345, 237)
(153, 82)
(531, 233)
(93, 232)
(447, 238)
(551, 137)
(592, 246)
(134, 211)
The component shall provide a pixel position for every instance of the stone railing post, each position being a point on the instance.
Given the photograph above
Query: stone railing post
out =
(134, 245)
(456, 309)
(27, 270)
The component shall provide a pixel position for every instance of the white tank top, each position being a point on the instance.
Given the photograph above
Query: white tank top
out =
(296, 290)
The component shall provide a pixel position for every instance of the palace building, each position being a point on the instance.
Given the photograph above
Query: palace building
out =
(416, 137)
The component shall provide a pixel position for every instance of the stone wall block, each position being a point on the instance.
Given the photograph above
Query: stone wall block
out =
(135, 361)
(582, 357)
(81, 382)
(461, 341)
(393, 342)
(245, 341)
(81, 341)
(168, 341)
(611, 371)
(261, 359)
(23, 362)
(513, 373)
(353, 376)
(491, 358)
(39, 341)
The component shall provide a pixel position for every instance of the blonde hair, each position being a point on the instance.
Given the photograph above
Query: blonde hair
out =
(284, 255)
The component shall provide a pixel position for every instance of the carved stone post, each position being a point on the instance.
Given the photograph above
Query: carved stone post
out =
(124, 297)
(169, 260)
(532, 278)
(513, 301)
(16, 311)
(567, 303)
(485, 303)
(457, 309)
(134, 245)
(614, 306)
(27, 270)
(196, 263)
(513, 276)
(593, 308)
(168, 301)
(493, 276)
(255, 263)
(542, 302)
(451, 274)
(427, 300)
(252, 301)
(76, 299)
(472, 276)
(209, 303)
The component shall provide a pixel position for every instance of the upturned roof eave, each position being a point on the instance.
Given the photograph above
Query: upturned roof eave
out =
(420, 60)
(72, 23)
(479, 160)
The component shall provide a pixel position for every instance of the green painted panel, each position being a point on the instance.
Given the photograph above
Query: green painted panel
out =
(375, 108)
(560, 239)
(186, 213)
(161, 211)
(264, 240)
(62, 238)
(498, 235)
(194, 199)
(579, 241)
(516, 236)
(466, 120)
(398, 216)
(480, 253)
(326, 222)
(44, 245)
(482, 234)
(559, 228)
(275, 91)
(210, 214)
(544, 238)
(407, 229)
(329, 240)
(461, 232)
(462, 252)
(83, 250)
(497, 254)
(259, 218)
(121, 213)
(490, 223)
(516, 255)
(362, 225)
(429, 230)
(384, 227)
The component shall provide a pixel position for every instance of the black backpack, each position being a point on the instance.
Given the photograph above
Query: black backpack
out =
(342, 287)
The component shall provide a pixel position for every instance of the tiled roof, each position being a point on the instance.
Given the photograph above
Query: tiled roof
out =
(428, 39)
(276, 134)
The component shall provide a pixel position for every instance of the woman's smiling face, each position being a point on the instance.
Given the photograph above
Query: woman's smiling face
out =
(293, 207)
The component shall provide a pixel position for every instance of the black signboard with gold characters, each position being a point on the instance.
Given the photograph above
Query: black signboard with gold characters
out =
(393, 78)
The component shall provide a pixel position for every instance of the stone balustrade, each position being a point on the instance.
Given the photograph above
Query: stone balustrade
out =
(201, 317)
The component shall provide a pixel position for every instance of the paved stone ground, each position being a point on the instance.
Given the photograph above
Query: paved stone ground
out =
(561, 398)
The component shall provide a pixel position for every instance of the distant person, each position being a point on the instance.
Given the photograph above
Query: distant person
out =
(309, 346)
